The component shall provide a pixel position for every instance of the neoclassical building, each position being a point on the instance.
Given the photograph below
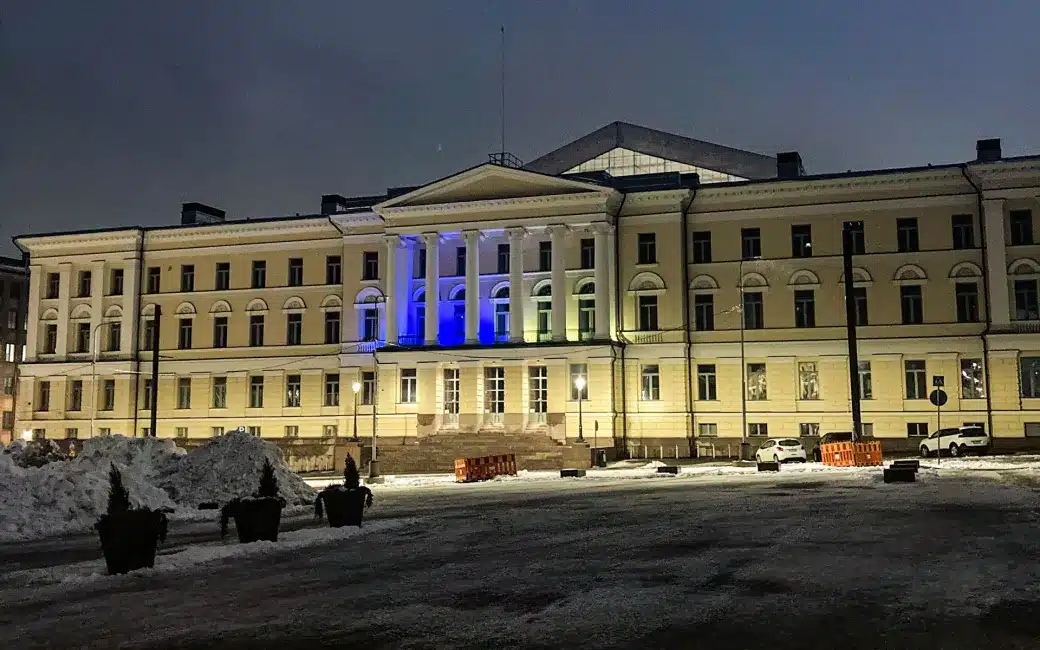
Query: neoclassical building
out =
(695, 290)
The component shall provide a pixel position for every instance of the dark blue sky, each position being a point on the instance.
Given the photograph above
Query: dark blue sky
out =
(115, 112)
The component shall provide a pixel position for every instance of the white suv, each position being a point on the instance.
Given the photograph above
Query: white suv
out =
(781, 450)
(957, 442)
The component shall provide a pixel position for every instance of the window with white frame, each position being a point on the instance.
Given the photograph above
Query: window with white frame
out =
(706, 387)
(409, 386)
(451, 396)
(256, 392)
(539, 391)
(972, 386)
(756, 382)
(181, 432)
(809, 429)
(369, 324)
(368, 388)
(916, 385)
(647, 313)
(495, 393)
(758, 429)
(332, 327)
(808, 380)
(331, 397)
(292, 391)
(292, 431)
(1029, 371)
(650, 383)
(293, 329)
(866, 384)
(220, 392)
(184, 393)
(254, 430)
(707, 429)
(579, 370)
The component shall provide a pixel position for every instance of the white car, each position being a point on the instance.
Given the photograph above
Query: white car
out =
(956, 442)
(781, 450)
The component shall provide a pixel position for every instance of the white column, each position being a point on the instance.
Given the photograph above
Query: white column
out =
(131, 305)
(432, 241)
(472, 238)
(998, 302)
(516, 284)
(64, 292)
(97, 292)
(557, 236)
(602, 281)
(33, 318)
(390, 289)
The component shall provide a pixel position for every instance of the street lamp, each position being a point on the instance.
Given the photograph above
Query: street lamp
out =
(745, 447)
(27, 435)
(356, 387)
(579, 383)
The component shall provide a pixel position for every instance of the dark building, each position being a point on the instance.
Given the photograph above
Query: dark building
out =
(13, 304)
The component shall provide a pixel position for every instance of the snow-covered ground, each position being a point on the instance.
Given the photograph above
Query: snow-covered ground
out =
(808, 558)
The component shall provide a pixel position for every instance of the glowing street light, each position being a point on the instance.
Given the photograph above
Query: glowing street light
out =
(356, 387)
(579, 383)
(27, 435)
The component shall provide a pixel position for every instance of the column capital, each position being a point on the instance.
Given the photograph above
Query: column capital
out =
(602, 228)
(392, 241)
(558, 230)
(431, 238)
(516, 233)
(472, 236)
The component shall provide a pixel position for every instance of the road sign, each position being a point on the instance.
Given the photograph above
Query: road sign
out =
(938, 381)
(938, 397)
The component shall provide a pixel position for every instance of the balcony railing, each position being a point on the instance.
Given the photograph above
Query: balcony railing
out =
(1020, 327)
(544, 337)
(648, 337)
(501, 337)
(411, 340)
(586, 335)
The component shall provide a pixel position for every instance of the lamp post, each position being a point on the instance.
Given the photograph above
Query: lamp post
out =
(745, 446)
(356, 387)
(579, 383)
(93, 375)
(27, 435)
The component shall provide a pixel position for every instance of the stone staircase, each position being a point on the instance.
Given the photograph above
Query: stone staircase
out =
(436, 454)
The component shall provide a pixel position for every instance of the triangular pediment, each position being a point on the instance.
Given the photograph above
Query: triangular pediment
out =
(490, 183)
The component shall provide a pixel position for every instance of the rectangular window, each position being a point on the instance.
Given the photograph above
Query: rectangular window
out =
(12, 319)
(707, 430)
(187, 277)
(368, 388)
(53, 285)
(369, 324)
(39, 434)
(420, 264)
(50, 339)
(149, 342)
(916, 380)
(460, 260)
(651, 383)
(1032, 429)
(866, 384)
(292, 391)
(370, 265)
(76, 395)
(801, 241)
(758, 429)
(1021, 227)
(115, 283)
(83, 337)
(115, 336)
(220, 331)
(259, 275)
(579, 370)
(451, 396)
(146, 394)
(647, 248)
(1030, 376)
(704, 312)
(971, 379)
(805, 308)
(648, 313)
(539, 389)
(859, 304)
(706, 388)
(756, 382)
(222, 280)
(917, 429)
(331, 393)
(256, 392)
(220, 392)
(702, 247)
(184, 326)
(409, 386)
(256, 330)
(329, 431)
(254, 430)
(750, 243)
(108, 395)
(545, 256)
(71, 433)
(216, 431)
(153, 277)
(43, 397)
(910, 301)
(588, 253)
(502, 320)
(495, 393)
(332, 327)
(333, 269)
(907, 239)
(7, 420)
(963, 231)
(967, 302)
(180, 432)
(808, 380)
(295, 271)
(184, 393)
(809, 429)
(8, 385)
(1027, 306)
(84, 284)
(294, 329)
(859, 241)
(751, 311)
(292, 431)
(503, 259)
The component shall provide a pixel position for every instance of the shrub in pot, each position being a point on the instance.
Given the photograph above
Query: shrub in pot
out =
(256, 517)
(345, 504)
(128, 535)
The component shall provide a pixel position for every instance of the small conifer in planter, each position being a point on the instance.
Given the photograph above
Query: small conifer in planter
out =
(128, 535)
(256, 517)
(345, 504)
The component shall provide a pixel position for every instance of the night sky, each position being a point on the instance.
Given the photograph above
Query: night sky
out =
(113, 113)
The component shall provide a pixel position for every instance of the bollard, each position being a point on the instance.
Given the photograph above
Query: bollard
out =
(660, 452)
(644, 451)
(676, 452)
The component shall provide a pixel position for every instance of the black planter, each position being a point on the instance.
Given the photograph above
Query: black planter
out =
(256, 519)
(129, 539)
(345, 507)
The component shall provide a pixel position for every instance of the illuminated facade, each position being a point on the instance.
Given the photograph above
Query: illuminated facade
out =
(474, 302)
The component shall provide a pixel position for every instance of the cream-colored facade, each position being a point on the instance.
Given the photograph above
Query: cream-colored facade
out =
(473, 303)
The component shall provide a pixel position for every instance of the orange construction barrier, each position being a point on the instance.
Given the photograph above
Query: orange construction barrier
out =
(851, 454)
(484, 468)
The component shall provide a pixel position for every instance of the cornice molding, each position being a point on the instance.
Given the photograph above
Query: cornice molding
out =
(394, 215)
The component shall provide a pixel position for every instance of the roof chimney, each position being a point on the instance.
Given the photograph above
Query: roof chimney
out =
(333, 203)
(987, 150)
(789, 165)
(200, 213)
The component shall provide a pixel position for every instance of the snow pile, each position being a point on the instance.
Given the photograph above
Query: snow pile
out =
(228, 467)
(35, 453)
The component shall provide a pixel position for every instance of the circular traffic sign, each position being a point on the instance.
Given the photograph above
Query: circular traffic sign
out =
(938, 397)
